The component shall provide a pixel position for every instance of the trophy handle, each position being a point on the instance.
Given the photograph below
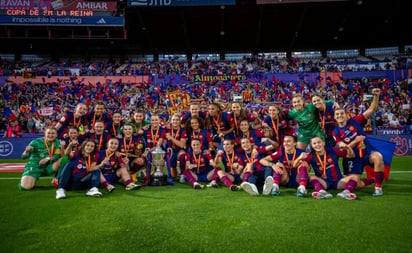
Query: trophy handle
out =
(146, 152)
(169, 152)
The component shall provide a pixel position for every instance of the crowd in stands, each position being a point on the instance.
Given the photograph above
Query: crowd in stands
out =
(175, 65)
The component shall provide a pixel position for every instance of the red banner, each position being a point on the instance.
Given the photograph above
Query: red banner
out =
(68, 5)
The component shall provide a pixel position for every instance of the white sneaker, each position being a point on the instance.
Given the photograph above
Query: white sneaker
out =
(182, 179)
(302, 192)
(132, 186)
(212, 184)
(249, 188)
(322, 194)
(378, 192)
(275, 190)
(60, 193)
(346, 194)
(110, 188)
(268, 186)
(94, 192)
(235, 188)
(197, 186)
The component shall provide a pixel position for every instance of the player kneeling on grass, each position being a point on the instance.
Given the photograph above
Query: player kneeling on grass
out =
(132, 146)
(284, 173)
(254, 172)
(199, 166)
(324, 161)
(232, 171)
(176, 144)
(41, 152)
(80, 172)
(113, 167)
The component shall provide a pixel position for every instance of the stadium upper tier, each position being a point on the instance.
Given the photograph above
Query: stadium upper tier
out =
(260, 64)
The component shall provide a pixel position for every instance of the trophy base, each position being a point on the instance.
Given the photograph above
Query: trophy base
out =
(158, 180)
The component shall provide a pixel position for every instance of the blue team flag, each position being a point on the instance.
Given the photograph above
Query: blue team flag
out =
(386, 148)
(7, 112)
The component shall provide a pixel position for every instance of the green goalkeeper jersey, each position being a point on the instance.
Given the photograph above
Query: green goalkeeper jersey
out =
(40, 151)
(307, 120)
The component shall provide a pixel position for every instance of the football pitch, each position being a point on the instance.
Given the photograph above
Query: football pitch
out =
(180, 219)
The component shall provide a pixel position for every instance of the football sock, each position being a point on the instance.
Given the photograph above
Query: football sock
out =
(316, 185)
(351, 185)
(378, 178)
(226, 181)
(303, 175)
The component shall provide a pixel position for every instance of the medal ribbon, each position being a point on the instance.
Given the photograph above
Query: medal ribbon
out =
(176, 134)
(217, 123)
(230, 161)
(74, 121)
(114, 130)
(323, 165)
(287, 158)
(235, 119)
(88, 163)
(197, 161)
(100, 142)
(126, 147)
(275, 127)
(323, 117)
(154, 137)
(49, 152)
(196, 135)
(361, 148)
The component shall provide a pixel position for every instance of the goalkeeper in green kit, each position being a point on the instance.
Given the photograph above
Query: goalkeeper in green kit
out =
(41, 152)
(307, 119)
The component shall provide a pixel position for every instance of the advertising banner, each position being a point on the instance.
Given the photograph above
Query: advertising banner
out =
(42, 5)
(158, 3)
(220, 78)
(13, 148)
(64, 20)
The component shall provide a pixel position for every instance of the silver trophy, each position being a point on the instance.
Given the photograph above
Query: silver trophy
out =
(158, 163)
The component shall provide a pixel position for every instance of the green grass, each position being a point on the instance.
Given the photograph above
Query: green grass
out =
(180, 219)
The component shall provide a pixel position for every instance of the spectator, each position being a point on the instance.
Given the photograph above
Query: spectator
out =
(394, 123)
(31, 125)
(13, 129)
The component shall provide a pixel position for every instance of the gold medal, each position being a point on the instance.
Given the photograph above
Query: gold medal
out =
(81, 129)
(362, 145)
